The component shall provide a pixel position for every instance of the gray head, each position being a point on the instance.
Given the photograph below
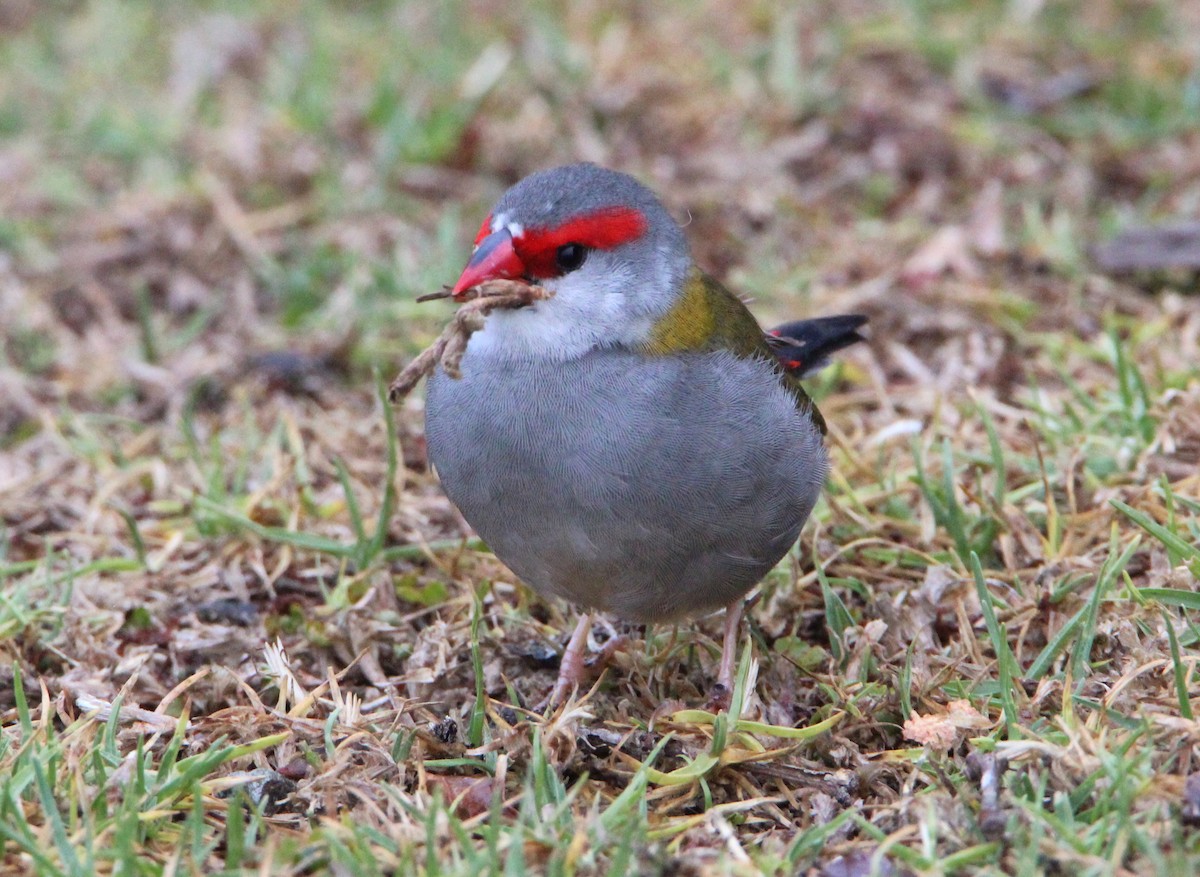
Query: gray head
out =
(600, 240)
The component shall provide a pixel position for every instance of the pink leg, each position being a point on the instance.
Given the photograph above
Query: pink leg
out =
(724, 689)
(571, 669)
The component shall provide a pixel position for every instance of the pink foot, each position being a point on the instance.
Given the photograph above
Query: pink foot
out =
(572, 668)
(721, 694)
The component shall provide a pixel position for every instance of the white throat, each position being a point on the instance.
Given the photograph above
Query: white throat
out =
(586, 313)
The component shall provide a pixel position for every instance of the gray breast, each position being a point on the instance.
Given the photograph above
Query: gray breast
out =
(650, 487)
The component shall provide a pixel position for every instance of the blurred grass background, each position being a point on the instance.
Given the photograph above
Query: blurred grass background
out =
(214, 218)
(342, 115)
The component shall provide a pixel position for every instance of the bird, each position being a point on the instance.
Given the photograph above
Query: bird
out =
(635, 443)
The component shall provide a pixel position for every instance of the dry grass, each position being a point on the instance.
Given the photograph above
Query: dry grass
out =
(219, 573)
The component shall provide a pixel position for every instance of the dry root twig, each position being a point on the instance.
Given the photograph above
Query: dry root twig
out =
(450, 346)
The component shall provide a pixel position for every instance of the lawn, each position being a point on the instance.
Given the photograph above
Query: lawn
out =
(243, 632)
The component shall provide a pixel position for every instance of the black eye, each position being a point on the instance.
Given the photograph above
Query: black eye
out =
(569, 257)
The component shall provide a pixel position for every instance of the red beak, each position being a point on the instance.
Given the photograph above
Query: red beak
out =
(494, 258)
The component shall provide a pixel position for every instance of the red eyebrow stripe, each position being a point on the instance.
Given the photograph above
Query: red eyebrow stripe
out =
(600, 230)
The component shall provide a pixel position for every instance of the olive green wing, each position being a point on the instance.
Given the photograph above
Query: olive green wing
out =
(707, 316)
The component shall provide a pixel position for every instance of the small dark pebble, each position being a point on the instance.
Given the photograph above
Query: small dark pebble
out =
(227, 610)
(445, 731)
(597, 742)
(509, 715)
(296, 769)
(640, 746)
(267, 789)
(538, 655)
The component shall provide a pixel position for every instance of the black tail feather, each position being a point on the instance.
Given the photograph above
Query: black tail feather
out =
(804, 346)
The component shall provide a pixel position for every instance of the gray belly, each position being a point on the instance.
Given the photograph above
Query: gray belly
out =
(652, 488)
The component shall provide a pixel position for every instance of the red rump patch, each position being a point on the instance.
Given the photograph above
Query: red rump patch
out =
(601, 230)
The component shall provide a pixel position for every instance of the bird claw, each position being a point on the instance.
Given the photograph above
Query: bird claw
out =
(574, 667)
